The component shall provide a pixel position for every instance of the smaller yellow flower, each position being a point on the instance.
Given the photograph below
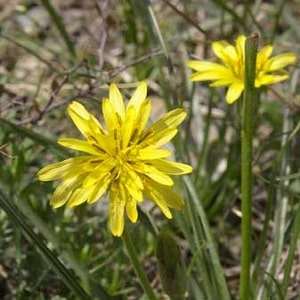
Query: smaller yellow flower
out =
(231, 72)
(122, 159)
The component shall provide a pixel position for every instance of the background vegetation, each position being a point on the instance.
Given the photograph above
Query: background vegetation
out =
(53, 52)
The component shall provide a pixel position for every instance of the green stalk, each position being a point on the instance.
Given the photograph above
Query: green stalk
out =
(251, 45)
(137, 266)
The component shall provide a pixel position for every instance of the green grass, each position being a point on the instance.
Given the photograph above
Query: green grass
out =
(72, 52)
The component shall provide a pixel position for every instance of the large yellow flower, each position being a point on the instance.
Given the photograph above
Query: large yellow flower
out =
(231, 72)
(123, 159)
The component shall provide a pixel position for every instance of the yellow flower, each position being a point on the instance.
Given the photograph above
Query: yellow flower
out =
(231, 72)
(123, 159)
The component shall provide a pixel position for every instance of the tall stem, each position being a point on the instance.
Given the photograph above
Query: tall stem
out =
(251, 45)
(137, 266)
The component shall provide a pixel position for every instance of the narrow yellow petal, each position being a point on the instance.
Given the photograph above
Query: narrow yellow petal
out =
(116, 212)
(159, 138)
(168, 122)
(83, 120)
(142, 119)
(138, 96)
(135, 192)
(110, 115)
(230, 79)
(149, 154)
(212, 75)
(234, 92)
(99, 189)
(128, 125)
(206, 66)
(153, 195)
(263, 55)
(80, 145)
(155, 174)
(63, 191)
(131, 210)
(132, 182)
(240, 47)
(78, 109)
(224, 51)
(269, 79)
(165, 194)
(78, 197)
(172, 199)
(171, 167)
(280, 61)
(171, 119)
(98, 171)
(59, 169)
(116, 100)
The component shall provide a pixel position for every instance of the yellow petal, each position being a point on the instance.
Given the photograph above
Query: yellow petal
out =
(78, 197)
(63, 192)
(153, 195)
(230, 79)
(169, 121)
(110, 116)
(221, 74)
(142, 119)
(269, 79)
(263, 55)
(225, 52)
(206, 67)
(171, 167)
(116, 212)
(159, 138)
(116, 100)
(155, 174)
(280, 61)
(78, 109)
(84, 121)
(149, 154)
(240, 47)
(131, 210)
(128, 126)
(139, 96)
(132, 182)
(100, 188)
(80, 145)
(59, 169)
(98, 171)
(132, 175)
(166, 194)
(234, 92)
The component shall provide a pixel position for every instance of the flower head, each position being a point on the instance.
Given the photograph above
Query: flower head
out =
(231, 72)
(122, 159)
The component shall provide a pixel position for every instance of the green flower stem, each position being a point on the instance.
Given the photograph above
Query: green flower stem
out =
(246, 171)
(137, 265)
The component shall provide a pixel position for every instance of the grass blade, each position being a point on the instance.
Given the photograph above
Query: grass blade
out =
(19, 219)
(57, 19)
